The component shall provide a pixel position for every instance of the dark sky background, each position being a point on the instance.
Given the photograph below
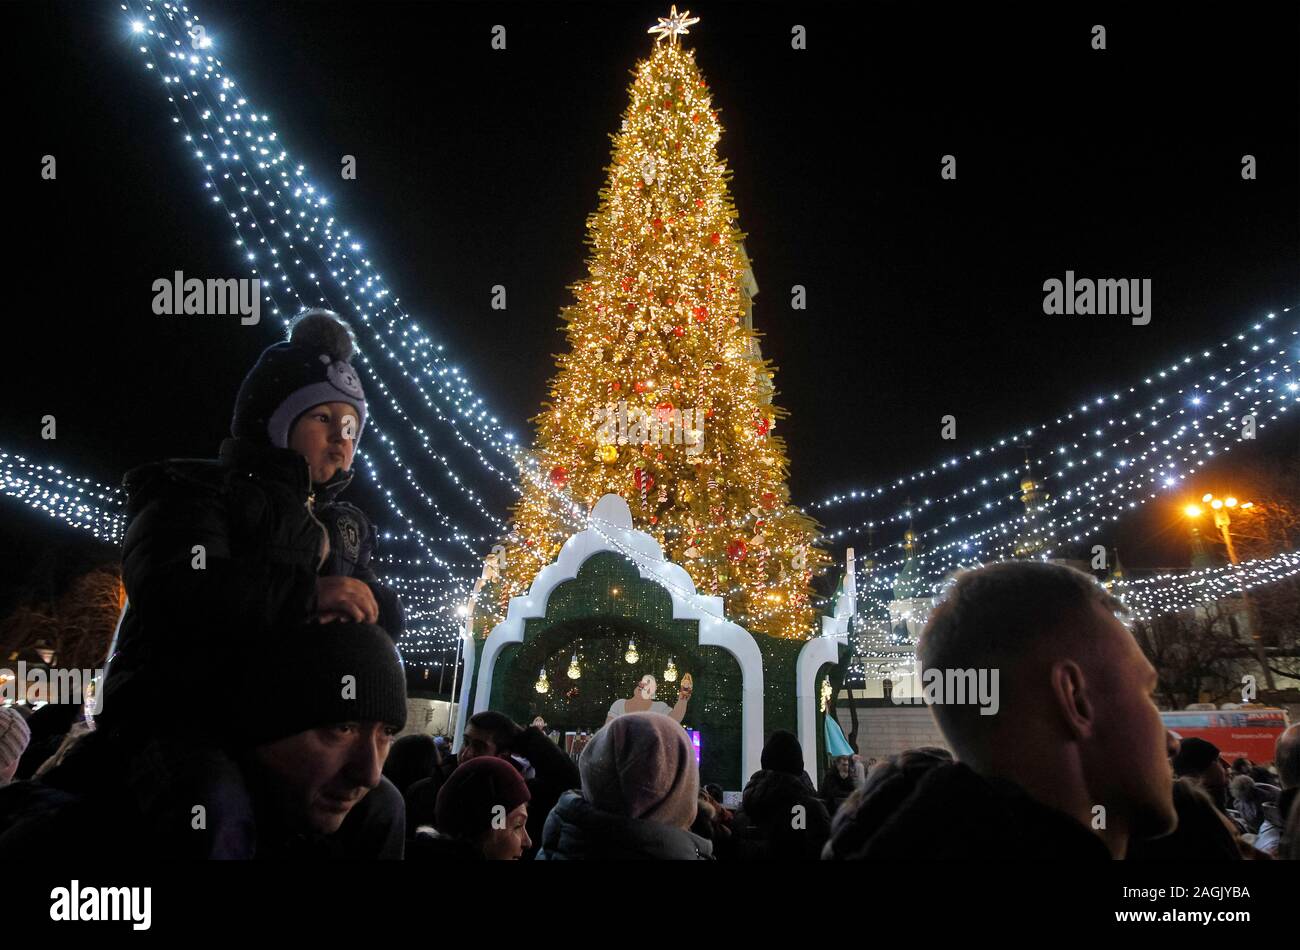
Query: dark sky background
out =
(478, 167)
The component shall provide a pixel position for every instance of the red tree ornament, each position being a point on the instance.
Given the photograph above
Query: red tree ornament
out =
(560, 475)
(736, 550)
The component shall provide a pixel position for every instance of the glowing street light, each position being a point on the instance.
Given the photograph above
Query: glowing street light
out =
(1223, 521)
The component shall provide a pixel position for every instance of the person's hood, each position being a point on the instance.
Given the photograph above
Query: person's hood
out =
(782, 753)
(577, 830)
(770, 793)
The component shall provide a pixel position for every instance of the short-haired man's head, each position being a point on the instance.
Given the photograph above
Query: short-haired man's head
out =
(1016, 617)
(1072, 679)
(1287, 757)
(487, 733)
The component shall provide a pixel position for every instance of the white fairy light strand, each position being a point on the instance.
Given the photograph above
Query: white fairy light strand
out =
(1009, 442)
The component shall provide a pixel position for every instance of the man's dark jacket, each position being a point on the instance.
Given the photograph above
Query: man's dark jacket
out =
(954, 814)
(835, 788)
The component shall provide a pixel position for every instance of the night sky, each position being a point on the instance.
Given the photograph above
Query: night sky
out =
(479, 167)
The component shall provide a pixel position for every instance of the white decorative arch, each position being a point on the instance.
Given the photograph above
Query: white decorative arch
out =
(815, 653)
(470, 650)
(610, 529)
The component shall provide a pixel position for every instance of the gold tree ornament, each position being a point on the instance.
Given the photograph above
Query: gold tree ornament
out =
(673, 26)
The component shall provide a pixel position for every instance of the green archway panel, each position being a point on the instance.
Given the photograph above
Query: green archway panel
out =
(594, 616)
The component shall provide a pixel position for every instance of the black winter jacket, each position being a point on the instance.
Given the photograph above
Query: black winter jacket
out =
(260, 522)
(951, 813)
(554, 773)
(768, 826)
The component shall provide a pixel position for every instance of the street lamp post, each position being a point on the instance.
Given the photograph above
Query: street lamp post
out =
(465, 611)
(1222, 508)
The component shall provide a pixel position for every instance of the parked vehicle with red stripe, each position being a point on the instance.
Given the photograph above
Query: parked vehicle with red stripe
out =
(1249, 731)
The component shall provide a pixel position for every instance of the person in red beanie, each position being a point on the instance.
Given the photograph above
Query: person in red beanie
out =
(481, 814)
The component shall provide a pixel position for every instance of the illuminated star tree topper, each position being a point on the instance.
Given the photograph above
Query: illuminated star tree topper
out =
(673, 25)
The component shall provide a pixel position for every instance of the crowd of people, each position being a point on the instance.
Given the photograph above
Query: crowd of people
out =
(255, 692)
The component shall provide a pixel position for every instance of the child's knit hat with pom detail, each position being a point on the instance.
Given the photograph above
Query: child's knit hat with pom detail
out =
(310, 368)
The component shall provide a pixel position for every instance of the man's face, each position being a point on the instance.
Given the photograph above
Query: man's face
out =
(508, 843)
(318, 776)
(1216, 776)
(1126, 762)
(842, 766)
(477, 742)
(326, 437)
(647, 687)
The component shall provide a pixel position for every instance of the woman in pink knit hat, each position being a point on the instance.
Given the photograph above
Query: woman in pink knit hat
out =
(640, 787)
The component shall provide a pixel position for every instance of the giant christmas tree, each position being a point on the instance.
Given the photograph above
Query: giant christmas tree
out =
(663, 397)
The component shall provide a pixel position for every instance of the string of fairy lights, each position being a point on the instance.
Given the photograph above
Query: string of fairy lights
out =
(1170, 592)
(1194, 395)
(215, 115)
(971, 547)
(80, 502)
(306, 258)
(1014, 440)
(881, 652)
